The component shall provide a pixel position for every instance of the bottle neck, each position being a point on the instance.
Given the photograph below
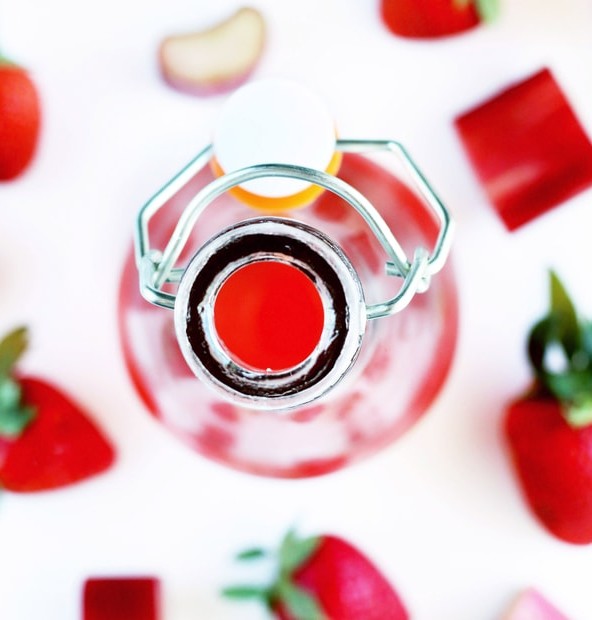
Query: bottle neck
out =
(280, 242)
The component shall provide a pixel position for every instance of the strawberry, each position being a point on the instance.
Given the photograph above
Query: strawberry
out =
(322, 578)
(549, 430)
(20, 120)
(426, 19)
(46, 441)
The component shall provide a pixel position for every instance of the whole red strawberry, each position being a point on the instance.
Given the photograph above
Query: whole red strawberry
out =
(323, 578)
(46, 441)
(426, 19)
(20, 120)
(549, 431)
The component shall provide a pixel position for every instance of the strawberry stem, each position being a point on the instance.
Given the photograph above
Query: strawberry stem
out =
(300, 603)
(15, 416)
(488, 10)
(12, 347)
(4, 60)
(579, 415)
(295, 551)
(246, 593)
(560, 352)
(252, 554)
(291, 555)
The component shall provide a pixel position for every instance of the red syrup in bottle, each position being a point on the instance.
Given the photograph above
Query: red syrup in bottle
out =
(403, 361)
(269, 315)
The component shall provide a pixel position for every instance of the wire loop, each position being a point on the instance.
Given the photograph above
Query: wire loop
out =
(158, 267)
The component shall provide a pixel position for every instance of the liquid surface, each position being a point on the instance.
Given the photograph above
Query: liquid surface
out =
(269, 315)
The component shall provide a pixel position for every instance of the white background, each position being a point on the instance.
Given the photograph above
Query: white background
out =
(439, 511)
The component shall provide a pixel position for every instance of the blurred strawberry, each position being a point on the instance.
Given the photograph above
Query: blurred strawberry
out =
(426, 19)
(20, 120)
(549, 431)
(46, 440)
(322, 578)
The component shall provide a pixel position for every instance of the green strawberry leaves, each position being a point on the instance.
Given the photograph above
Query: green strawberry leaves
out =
(12, 346)
(291, 555)
(252, 554)
(6, 61)
(246, 592)
(564, 314)
(14, 415)
(300, 604)
(488, 10)
(560, 351)
(295, 551)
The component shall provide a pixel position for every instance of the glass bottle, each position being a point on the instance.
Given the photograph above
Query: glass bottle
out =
(364, 382)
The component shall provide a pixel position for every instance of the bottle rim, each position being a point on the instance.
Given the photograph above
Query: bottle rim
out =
(290, 242)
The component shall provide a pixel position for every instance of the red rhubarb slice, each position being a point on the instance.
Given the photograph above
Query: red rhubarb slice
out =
(528, 149)
(427, 19)
(122, 598)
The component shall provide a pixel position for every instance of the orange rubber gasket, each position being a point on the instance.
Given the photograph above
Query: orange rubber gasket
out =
(268, 204)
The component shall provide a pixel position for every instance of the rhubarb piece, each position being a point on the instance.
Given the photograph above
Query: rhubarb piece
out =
(121, 598)
(428, 19)
(528, 149)
(215, 60)
(531, 605)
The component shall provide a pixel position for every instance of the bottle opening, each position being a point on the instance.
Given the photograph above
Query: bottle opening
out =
(270, 313)
(269, 316)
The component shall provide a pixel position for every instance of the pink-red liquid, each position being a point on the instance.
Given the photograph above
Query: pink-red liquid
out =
(402, 365)
(269, 315)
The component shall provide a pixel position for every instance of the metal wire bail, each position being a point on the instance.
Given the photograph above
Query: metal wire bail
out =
(157, 267)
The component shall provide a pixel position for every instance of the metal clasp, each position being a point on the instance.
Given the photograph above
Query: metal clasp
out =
(156, 268)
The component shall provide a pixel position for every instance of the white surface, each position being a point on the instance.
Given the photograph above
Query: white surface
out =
(274, 121)
(439, 511)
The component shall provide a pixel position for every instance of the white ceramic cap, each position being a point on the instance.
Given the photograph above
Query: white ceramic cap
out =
(274, 121)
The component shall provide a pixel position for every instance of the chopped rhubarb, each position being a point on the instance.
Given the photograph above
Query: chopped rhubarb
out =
(122, 598)
(531, 605)
(427, 19)
(206, 62)
(528, 149)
